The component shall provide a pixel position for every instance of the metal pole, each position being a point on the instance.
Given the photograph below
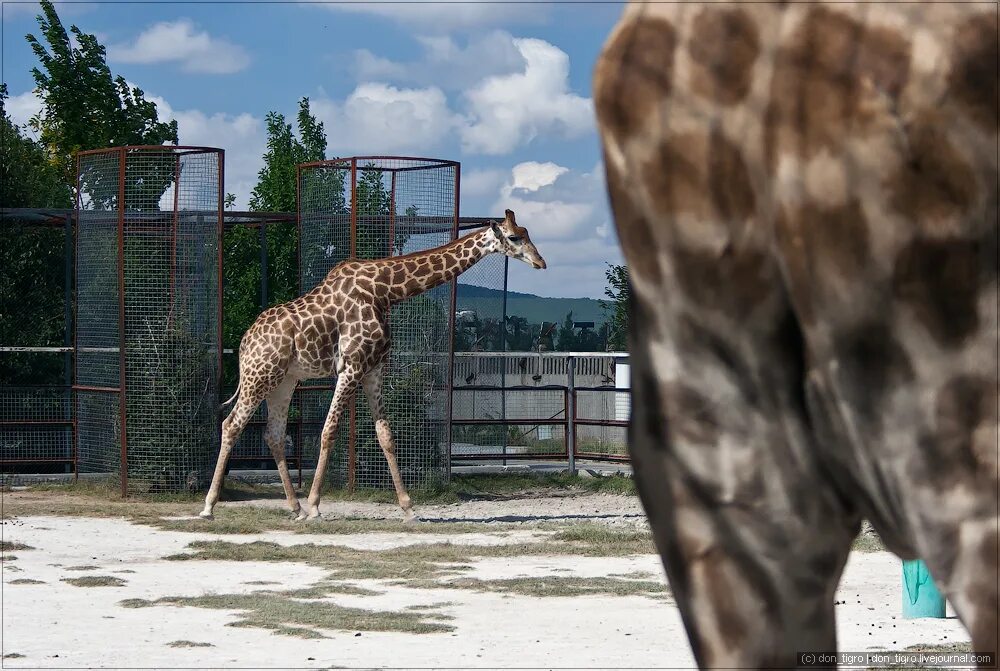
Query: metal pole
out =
(68, 335)
(503, 347)
(298, 260)
(453, 301)
(571, 413)
(263, 265)
(122, 394)
(352, 455)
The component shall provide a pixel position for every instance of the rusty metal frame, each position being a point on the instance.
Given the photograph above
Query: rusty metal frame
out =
(579, 421)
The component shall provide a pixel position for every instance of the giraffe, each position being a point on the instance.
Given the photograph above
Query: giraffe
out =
(341, 327)
(806, 200)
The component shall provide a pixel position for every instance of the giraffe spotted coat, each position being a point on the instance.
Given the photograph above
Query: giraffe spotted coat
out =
(806, 197)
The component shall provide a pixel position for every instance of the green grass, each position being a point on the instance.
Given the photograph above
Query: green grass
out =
(189, 644)
(291, 617)
(95, 581)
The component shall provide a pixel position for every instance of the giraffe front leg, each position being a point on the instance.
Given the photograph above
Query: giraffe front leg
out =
(372, 384)
(346, 384)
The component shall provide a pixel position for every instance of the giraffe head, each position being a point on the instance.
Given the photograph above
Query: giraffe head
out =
(514, 241)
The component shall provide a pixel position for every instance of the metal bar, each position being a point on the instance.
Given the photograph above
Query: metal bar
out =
(545, 355)
(451, 330)
(352, 416)
(263, 267)
(123, 422)
(527, 456)
(164, 148)
(220, 313)
(84, 387)
(69, 335)
(173, 237)
(47, 460)
(503, 346)
(571, 414)
(601, 422)
(517, 421)
(32, 422)
(298, 260)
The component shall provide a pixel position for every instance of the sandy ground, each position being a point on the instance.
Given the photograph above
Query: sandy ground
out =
(56, 624)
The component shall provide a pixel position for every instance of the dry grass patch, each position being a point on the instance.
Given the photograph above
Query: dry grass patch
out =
(26, 581)
(431, 606)
(422, 561)
(95, 581)
(189, 644)
(10, 546)
(279, 612)
(84, 567)
(13, 655)
(552, 586)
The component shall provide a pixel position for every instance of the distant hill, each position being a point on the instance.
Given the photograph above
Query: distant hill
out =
(536, 309)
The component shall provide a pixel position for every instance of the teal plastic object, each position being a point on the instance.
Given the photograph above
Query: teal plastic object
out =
(921, 597)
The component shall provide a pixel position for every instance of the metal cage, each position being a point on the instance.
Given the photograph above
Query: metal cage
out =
(370, 207)
(148, 314)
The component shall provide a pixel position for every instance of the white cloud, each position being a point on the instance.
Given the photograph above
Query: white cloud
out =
(378, 118)
(505, 111)
(445, 63)
(567, 214)
(443, 17)
(180, 42)
(241, 136)
(531, 175)
(22, 107)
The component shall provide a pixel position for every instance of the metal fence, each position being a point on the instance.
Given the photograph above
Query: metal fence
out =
(551, 406)
(508, 407)
(148, 304)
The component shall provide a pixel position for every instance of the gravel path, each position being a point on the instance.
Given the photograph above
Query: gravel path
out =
(603, 508)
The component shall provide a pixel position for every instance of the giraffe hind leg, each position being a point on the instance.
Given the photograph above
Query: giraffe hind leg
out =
(232, 427)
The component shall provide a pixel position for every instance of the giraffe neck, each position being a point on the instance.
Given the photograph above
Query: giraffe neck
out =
(414, 274)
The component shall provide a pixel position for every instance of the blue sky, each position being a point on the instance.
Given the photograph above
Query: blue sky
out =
(503, 88)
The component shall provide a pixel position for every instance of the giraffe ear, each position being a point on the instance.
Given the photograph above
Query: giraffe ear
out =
(496, 230)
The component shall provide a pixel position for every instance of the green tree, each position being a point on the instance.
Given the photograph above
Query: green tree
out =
(85, 107)
(566, 340)
(32, 266)
(619, 291)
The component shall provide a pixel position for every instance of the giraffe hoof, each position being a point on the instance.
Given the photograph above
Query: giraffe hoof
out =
(301, 516)
(410, 518)
(206, 515)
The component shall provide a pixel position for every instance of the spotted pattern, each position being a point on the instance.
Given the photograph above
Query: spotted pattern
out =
(806, 197)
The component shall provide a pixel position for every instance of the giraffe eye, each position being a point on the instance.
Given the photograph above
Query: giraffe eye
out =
(514, 238)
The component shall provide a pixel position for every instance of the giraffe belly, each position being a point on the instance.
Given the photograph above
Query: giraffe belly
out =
(318, 358)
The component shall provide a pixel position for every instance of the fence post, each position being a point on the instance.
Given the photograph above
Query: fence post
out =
(571, 413)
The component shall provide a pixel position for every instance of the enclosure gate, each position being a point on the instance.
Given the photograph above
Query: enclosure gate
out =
(371, 207)
(148, 314)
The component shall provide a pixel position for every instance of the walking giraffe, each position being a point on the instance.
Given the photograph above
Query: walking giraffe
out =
(341, 327)
(806, 198)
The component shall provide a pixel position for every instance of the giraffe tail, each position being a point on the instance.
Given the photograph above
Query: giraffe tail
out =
(233, 397)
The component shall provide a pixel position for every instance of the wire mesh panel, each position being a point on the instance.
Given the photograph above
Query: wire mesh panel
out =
(148, 328)
(371, 208)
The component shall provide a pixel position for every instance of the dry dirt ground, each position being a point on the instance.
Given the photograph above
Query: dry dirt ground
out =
(542, 582)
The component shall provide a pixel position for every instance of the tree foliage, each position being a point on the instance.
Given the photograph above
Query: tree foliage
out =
(83, 105)
(619, 291)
